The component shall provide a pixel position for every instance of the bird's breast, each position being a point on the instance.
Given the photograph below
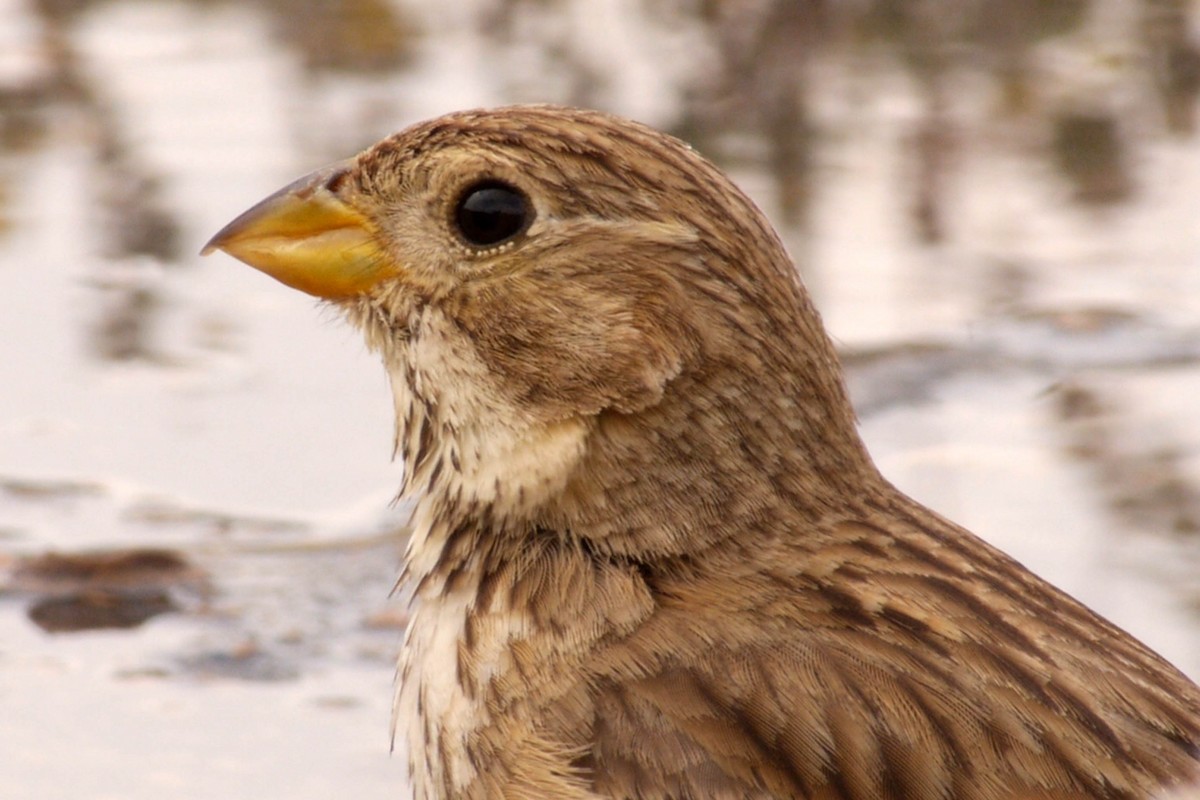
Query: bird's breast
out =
(437, 709)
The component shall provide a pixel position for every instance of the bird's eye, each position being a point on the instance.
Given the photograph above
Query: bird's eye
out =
(491, 212)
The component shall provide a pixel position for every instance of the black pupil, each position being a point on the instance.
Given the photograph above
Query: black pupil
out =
(491, 212)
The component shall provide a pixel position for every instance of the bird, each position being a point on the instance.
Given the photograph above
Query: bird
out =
(650, 555)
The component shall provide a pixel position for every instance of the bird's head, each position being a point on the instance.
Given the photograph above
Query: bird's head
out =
(563, 300)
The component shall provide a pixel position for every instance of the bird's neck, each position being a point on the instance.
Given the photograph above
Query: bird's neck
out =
(756, 457)
(671, 480)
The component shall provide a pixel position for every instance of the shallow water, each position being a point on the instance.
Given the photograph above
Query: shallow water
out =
(1020, 333)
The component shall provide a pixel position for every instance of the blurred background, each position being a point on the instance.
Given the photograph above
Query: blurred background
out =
(994, 202)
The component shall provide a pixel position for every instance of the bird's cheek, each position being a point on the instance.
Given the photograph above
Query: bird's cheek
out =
(309, 237)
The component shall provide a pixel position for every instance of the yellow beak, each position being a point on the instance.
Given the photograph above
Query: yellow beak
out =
(307, 236)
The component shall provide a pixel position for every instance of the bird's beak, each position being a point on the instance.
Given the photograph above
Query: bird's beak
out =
(310, 237)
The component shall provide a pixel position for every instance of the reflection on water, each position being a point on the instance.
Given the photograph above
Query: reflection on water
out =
(994, 202)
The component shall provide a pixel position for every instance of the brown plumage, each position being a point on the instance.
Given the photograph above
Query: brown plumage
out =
(651, 556)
